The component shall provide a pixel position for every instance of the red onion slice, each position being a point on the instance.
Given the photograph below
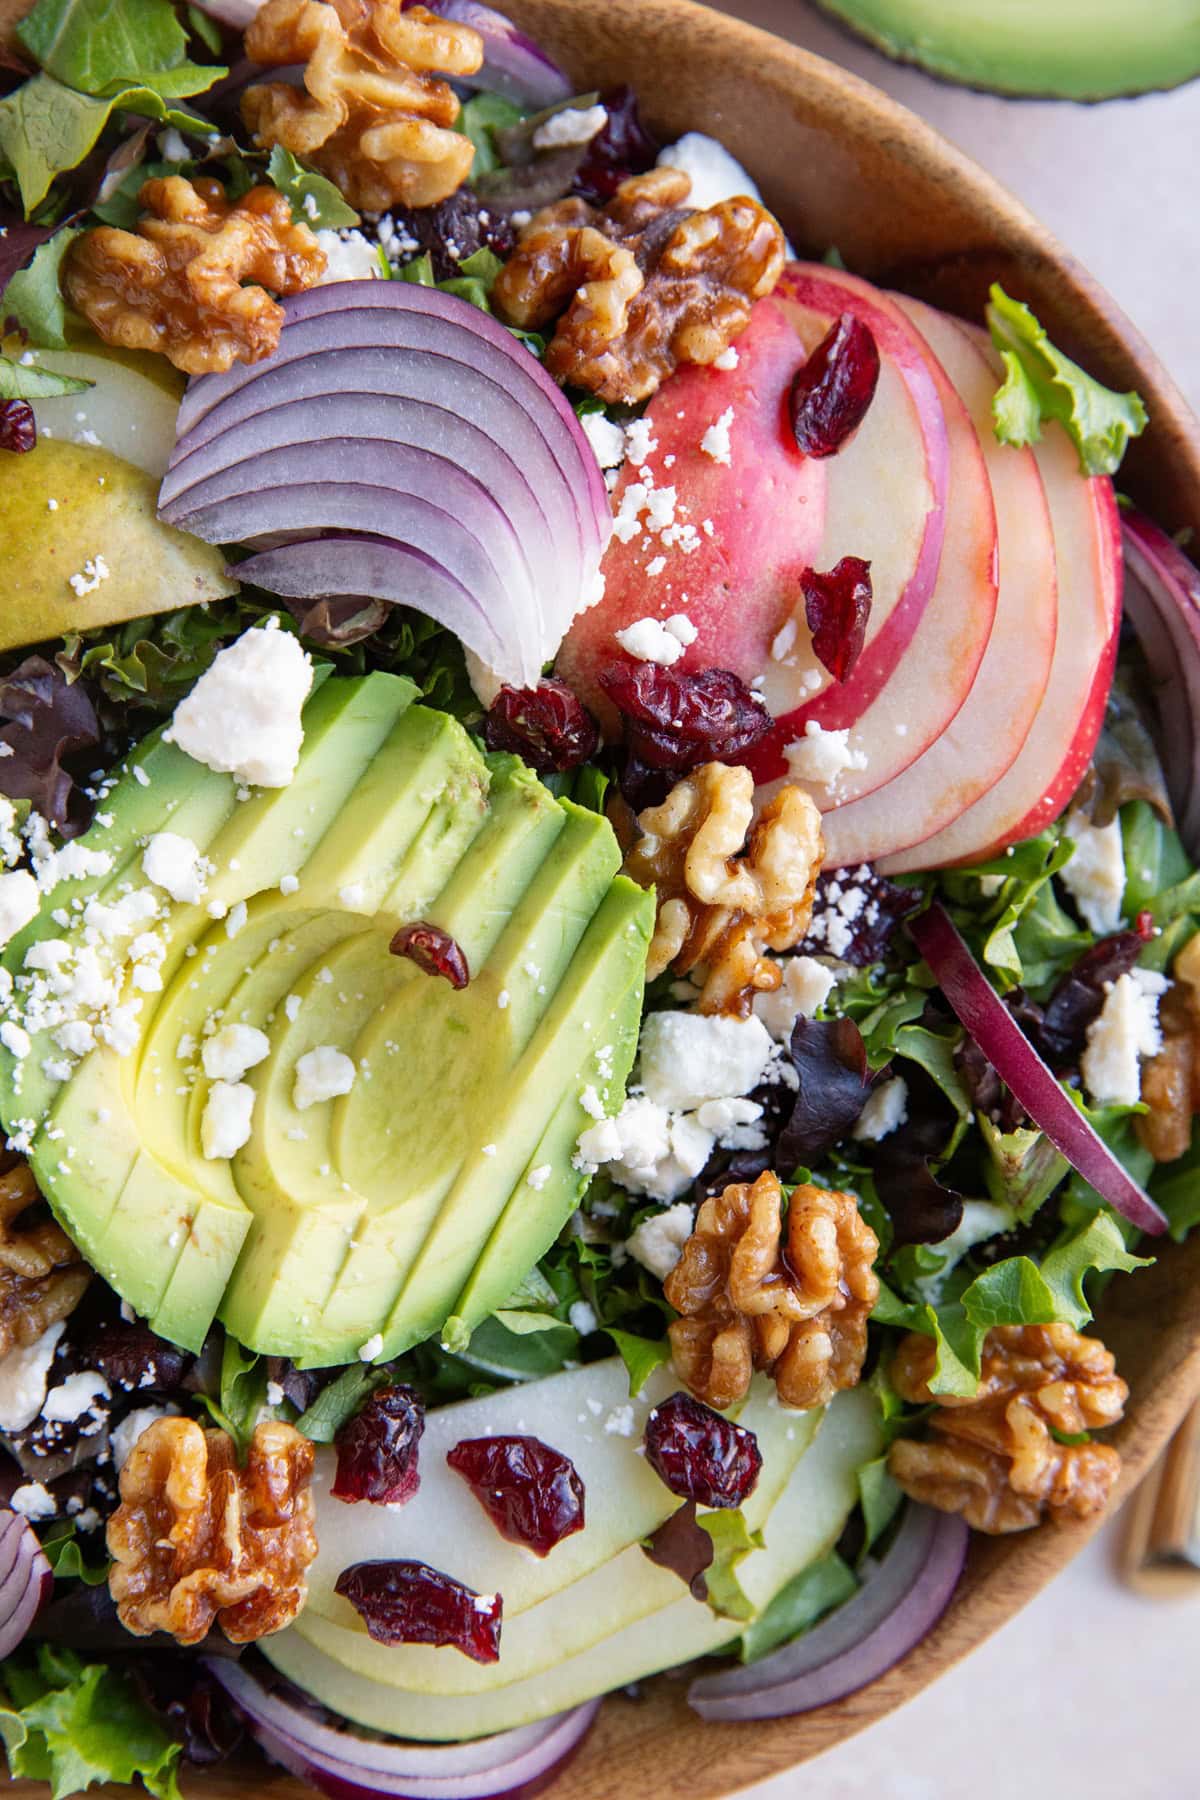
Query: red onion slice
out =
(1162, 599)
(861, 1640)
(347, 1765)
(513, 65)
(1018, 1064)
(26, 1580)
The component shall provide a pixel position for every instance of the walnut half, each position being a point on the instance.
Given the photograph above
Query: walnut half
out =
(42, 1277)
(729, 888)
(1171, 1079)
(640, 285)
(993, 1456)
(191, 281)
(747, 1304)
(197, 1538)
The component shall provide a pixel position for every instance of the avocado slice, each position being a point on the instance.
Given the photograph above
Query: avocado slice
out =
(802, 1521)
(1062, 49)
(369, 1214)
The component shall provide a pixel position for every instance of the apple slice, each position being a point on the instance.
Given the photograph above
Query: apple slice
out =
(723, 541)
(885, 501)
(1053, 758)
(986, 736)
(895, 711)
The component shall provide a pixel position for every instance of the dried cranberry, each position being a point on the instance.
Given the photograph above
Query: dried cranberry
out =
(837, 605)
(532, 1493)
(434, 951)
(130, 1356)
(623, 147)
(454, 230)
(18, 430)
(831, 393)
(377, 1449)
(410, 1603)
(1144, 926)
(548, 726)
(855, 915)
(1078, 996)
(699, 1455)
(676, 721)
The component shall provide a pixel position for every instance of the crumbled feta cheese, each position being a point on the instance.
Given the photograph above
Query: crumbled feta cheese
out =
(715, 174)
(353, 896)
(569, 126)
(231, 1051)
(19, 902)
(657, 1243)
(687, 1058)
(275, 1394)
(886, 1109)
(660, 641)
(321, 1074)
(15, 1039)
(172, 146)
(235, 919)
(820, 757)
(177, 865)
(243, 717)
(33, 1500)
(537, 1178)
(370, 1350)
(225, 1122)
(288, 884)
(639, 445)
(126, 1434)
(94, 571)
(716, 442)
(23, 1376)
(76, 1396)
(291, 1008)
(1126, 1030)
(607, 440)
(734, 1123)
(728, 359)
(349, 256)
(982, 1219)
(619, 1422)
(1095, 875)
(582, 1317)
(804, 989)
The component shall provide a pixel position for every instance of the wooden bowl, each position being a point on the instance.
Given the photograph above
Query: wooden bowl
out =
(843, 165)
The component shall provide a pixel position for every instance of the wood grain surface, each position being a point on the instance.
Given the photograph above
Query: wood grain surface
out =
(843, 165)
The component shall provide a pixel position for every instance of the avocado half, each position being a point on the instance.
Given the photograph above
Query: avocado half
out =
(427, 1191)
(1055, 49)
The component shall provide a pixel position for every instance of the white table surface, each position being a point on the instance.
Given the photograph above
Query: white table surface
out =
(1091, 1690)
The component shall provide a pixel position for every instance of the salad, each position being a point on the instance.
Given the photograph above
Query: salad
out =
(600, 918)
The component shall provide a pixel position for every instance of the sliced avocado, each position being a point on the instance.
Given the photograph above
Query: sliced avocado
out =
(1063, 49)
(804, 1522)
(307, 1241)
(84, 546)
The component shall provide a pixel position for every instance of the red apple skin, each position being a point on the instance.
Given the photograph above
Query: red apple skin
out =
(766, 510)
(984, 739)
(1055, 756)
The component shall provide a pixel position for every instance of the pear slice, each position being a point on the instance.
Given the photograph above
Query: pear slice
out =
(78, 510)
(130, 410)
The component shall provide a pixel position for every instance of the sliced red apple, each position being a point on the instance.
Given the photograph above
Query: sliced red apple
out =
(985, 737)
(886, 500)
(895, 713)
(729, 548)
(1054, 756)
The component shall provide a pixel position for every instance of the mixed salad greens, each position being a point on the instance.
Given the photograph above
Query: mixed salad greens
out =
(366, 1103)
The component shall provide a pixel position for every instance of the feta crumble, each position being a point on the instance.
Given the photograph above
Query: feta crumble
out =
(607, 440)
(126, 1434)
(1095, 875)
(349, 256)
(225, 1123)
(804, 989)
(321, 1074)
(243, 717)
(19, 902)
(76, 1396)
(582, 1317)
(716, 440)
(1126, 1030)
(33, 1501)
(175, 864)
(231, 1051)
(688, 1058)
(569, 126)
(370, 1350)
(658, 1242)
(23, 1376)
(820, 758)
(715, 174)
(885, 1111)
(88, 579)
(661, 641)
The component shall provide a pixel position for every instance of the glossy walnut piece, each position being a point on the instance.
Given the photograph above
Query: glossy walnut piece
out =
(844, 165)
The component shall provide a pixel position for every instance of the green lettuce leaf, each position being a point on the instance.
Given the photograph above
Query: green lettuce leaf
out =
(1041, 383)
(243, 1392)
(99, 45)
(33, 296)
(798, 1605)
(732, 1540)
(314, 200)
(482, 115)
(1176, 1188)
(20, 381)
(640, 1355)
(523, 1320)
(72, 1724)
(1022, 1168)
(46, 128)
(67, 1559)
(879, 1495)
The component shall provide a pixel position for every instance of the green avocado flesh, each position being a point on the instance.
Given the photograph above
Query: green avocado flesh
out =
(1065, 49)
(428, 1189)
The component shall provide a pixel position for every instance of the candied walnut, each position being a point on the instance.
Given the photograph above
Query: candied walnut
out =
(993, 1456)
(750, 1301)
(176, 284)
(641, 284)
(372, 114)
(729, 888)
(1171, 1079)
(42, 1276)
(197, 1538)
